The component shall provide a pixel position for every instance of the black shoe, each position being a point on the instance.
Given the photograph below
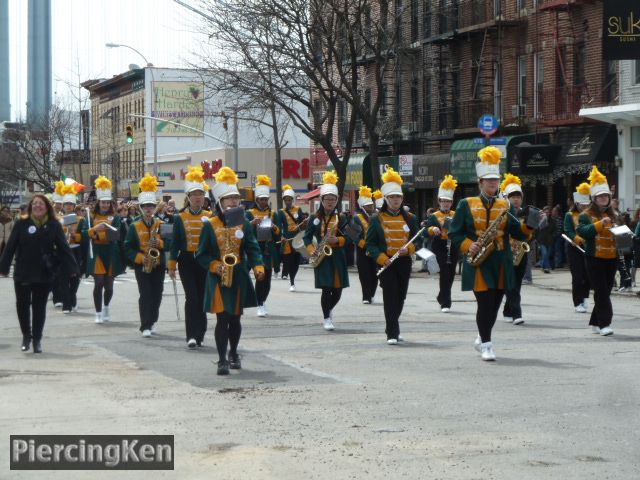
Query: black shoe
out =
(223, 368)
(37, 347)
(234, 361)
(26, 343)
(546, 270)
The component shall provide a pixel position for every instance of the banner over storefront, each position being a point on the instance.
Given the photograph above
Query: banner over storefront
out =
(181, 102)
(621, 30)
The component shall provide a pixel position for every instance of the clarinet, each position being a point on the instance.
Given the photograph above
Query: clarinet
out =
(448, 251)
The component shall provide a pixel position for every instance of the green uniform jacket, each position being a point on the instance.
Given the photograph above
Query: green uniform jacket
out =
(132, 249)
(111, 254)
(376, 243)
(282, 221)
(332, 272)
(267, 249)
(462, 228)
(241, 294)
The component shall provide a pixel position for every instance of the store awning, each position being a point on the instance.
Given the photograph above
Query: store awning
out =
(527, 159)
(628, 114)
(429, 170)
(310, 195)
(587, 145)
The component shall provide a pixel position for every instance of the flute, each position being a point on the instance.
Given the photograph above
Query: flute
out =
(89, 226)
(397, 254)
(572, 243)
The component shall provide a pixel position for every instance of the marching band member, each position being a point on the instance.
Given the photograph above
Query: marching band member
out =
(70, 283)
(264, 228)
(144, 248)
(378, 199)
(366, 265)
(511, 189)
(57, 292)
(291, 221)
(438, 225)
(106, 263)
(187, 229)
(479, 222)
(388, 234)
(579, 278)
(227, 253)
(330, 269)
(594, 226)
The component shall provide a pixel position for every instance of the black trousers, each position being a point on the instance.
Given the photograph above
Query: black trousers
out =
(624, 268)
(70, 284)
(488, 307)
(447, 275)
(193, 278)
(329, 299)
(31, 306)
(290, 265)
(367, 273)
(57, 292)
(394, 282)
(512, 307)
(150, 287)
(228, 331)
(602, 273)
(263, 287)
(580, 284)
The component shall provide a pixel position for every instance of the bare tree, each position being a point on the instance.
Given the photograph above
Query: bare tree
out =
(322, 62)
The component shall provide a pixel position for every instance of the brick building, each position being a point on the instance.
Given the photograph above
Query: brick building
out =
(533, 64)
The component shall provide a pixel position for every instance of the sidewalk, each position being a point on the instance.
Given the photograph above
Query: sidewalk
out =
(560, 280)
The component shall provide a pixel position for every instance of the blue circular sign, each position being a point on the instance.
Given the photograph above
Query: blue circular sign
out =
(488, 124)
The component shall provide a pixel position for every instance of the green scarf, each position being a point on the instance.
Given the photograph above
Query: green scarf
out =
(39, 223)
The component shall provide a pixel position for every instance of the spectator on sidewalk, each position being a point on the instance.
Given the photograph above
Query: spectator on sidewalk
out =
(6, 225)
(546, 240)
(559, 244)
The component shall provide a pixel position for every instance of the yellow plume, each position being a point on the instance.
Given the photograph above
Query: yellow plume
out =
(195, 174)
(583, 189)
(226, 175)
(596, 176)
(59, 187)
(103, 183)
(377, 195)
(287, 187)
(263, 180)
(364, 192)
(206, 186)
(490, 155)
(148, 183)
(508, 180)
(449, 183)
(68, 189)
(330, 177)
(392, 176)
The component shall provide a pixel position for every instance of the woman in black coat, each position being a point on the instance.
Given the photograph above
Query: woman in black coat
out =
(41, 250)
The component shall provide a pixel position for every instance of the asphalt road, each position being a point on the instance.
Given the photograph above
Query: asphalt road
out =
(558, 403)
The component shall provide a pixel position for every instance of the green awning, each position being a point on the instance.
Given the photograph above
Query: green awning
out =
(464, 155)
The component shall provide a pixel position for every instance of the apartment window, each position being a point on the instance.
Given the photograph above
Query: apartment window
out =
(426, 105)
(415, 99)
(520, 5)
(578, 64)
(522, 80)
(383, 102)
(414, 21)
(398, 104)
(426, 19)
(538, 81)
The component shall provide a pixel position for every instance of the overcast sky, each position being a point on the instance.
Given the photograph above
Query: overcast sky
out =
(163, 31)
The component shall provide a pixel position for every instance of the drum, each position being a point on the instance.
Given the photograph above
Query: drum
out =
(264, 232)
(234, 216)
(70, 219)
(298, 245)
(353, 231)
(166, 231)
(623, 236)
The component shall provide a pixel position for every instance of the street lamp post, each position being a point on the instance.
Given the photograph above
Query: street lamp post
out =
(153, 101)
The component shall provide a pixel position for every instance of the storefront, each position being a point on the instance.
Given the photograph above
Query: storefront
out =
(428, 172)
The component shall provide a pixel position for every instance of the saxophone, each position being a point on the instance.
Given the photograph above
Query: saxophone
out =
(152, 257)
(519, 249)
(323, 249)
(229, 260)
(487, 242)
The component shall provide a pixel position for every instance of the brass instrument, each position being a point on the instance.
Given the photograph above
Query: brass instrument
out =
(487, 242)
(229, 260)
(519, 249)
(323, 249)
(152, 257)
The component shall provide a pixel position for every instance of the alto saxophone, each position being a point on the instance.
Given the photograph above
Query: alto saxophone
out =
(323, 249)
(519, 249)
(152, 257)
(229, 261)
(487, 242)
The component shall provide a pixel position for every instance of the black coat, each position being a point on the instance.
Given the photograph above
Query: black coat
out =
(40, 252)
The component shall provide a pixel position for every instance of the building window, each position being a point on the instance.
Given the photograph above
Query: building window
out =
(398, 104)
(538, 81)
(415, 105)
(578, 64)
(636, 72)
(426, 105)
(426, 19)
(414, 21)
(610, 83)
(522, 80)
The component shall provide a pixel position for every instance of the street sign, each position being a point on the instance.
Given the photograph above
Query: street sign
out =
(488, 124)
(492, 141)
(242, 174)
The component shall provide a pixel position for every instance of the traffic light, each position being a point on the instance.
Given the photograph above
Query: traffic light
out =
(129, 134)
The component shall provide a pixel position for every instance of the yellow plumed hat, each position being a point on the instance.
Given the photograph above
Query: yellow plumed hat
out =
(378, 198)
(287, 191)
(392, 182)
(56, 197)
(226, 183)
(598, 183)
(489, 164)
(329, 184)
(510, 184)
(103, 188)
(148, 188)
(69, 193)
(365, 196)
(581, 195)
(194, 180)
(263, 182)
(447, 187)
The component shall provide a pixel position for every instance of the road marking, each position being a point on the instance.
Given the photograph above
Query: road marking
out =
(311, 371)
